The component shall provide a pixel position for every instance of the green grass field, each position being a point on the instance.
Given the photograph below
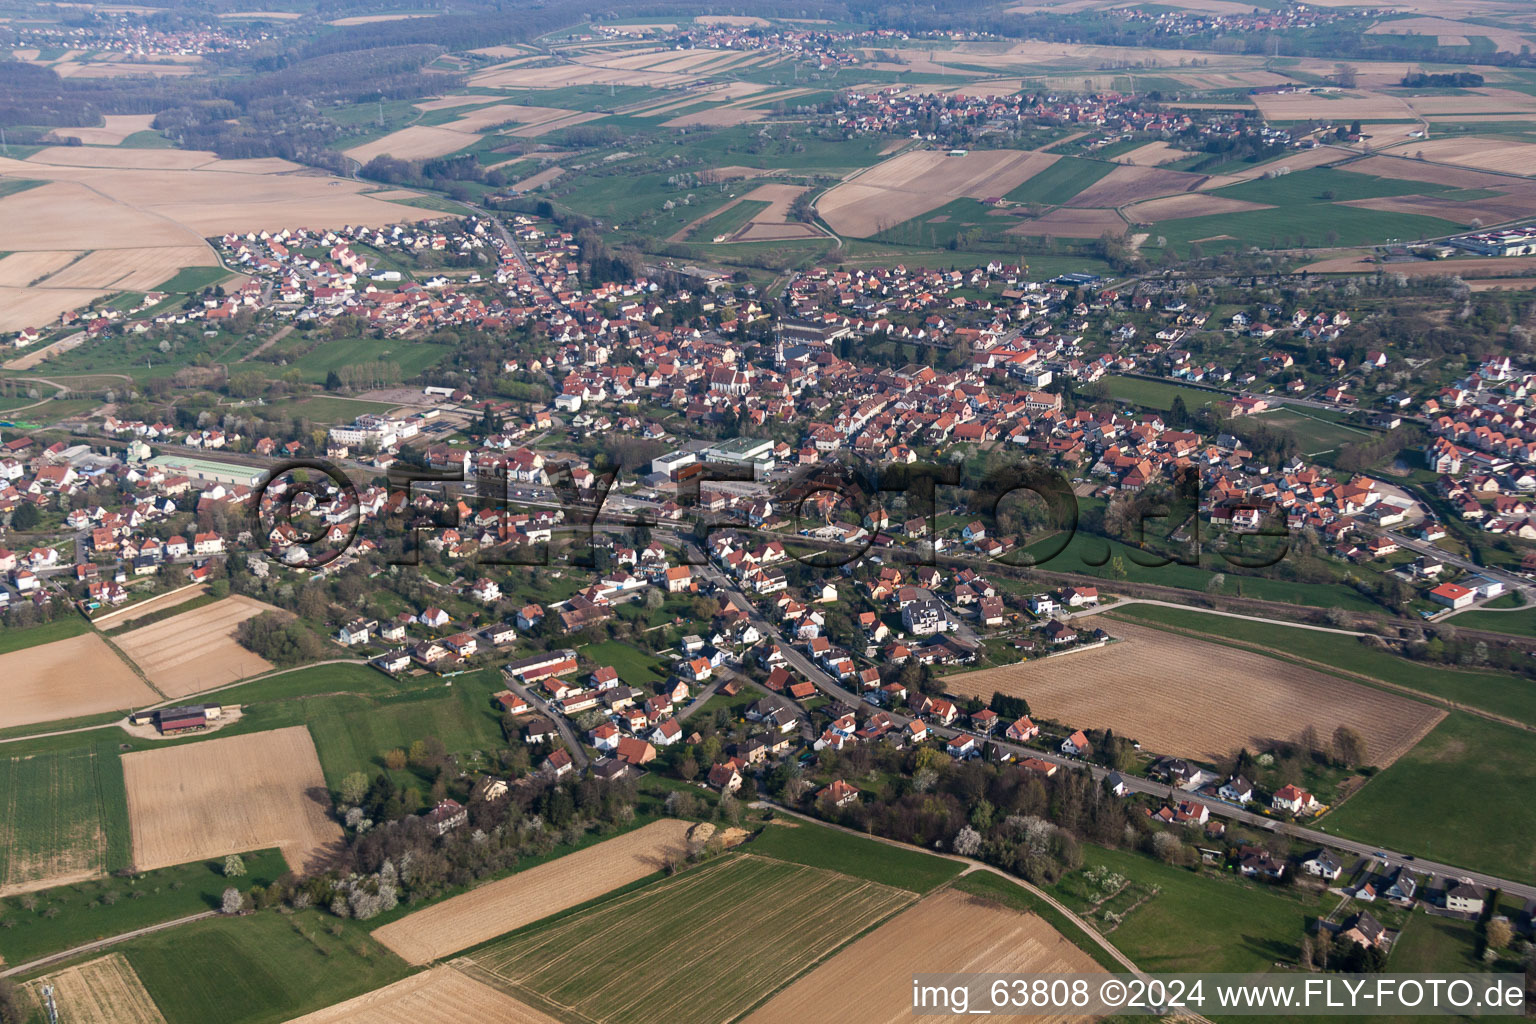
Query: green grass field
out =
(1462, 796)
(1313, 434)
(1061, 181)
(1490, 691)
(635, 667)
(1515, 623)
(194, 279)
(1190, 922)
(61, 812)
(325, 409)
(259, 969)
(1436, 945)
(818, 846)
(68, 916)
(744, 926)
(59, 629)
(1156, 394)
(411, 357)
(728, 221)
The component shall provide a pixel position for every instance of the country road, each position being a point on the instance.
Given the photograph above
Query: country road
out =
(33, 965)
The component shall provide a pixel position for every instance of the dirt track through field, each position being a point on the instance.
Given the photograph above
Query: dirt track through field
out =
(441, 996)
(528, 896)
(196, 650)
(67, 679)
(230, 795)
(101, 991)
(1189, 698)
(950, 931)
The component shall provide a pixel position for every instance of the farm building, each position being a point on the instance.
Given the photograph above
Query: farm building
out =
(171, 721)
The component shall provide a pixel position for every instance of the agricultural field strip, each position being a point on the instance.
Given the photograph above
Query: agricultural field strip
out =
(1213, 699)
(843, 904)
(101, 991)
(52, 830)
(441, 995)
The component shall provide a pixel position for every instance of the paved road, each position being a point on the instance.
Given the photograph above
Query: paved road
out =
(568, 734)
(103, 943)
(829, 686)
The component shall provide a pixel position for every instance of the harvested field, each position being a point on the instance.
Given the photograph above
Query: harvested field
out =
(531, 895)
(915, 182)
(950, 931)
(101, 991)
(1463, 267)
(1125, 185)
(116, 128)
(1452, 33)
(746, 21)
(129, 269)
(441, 995)
(1333, 107)
(20, 269)
(196, 650)
(369, 19)
(35, 307)
(1191, 204)
(67, 679)
(230, 795)
(66, 215)
(1211, 699)
(1488, 211)
(538, 180)
(1070, 223)
(772, 223)
(417, 142)
(715, 117)
(141, 159)
(730, 173)
(565, 119)
(1502, 156)
(615, 962)
(559, 76)
(1153, 154)
(123, 616)
(1401, 169)
(120, 69)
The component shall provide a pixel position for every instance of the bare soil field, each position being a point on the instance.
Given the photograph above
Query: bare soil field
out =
(1468, 267)
(528, 896)
(1153, 154)
(196, 650)
(716, 117)
(1190, 204)
(1125, 185)
(143, 159)
(20, 269)
(120, 69)
(101, 991)
(566, 119)
(230, 795)
(1401, 169)
(573, 74)
(1502, 156)
(745, 21)
(1333, 107)
(417, 142)
(950, 931)
(116, 128)
(441, 995)
(130, 269)
(123, 616)
(38, 307)
(1070, 223)
(1489, 211)
(1208, 700)
(369, 19)
(915, 182)
(539, 180)
(1322, 156)
(67, 679)
(1451, 33)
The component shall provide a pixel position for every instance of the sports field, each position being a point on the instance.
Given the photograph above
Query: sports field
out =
(736, 928)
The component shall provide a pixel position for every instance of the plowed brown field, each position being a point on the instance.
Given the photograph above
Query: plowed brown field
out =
(196, 650)
(67, 679)
(949, 932)
(1191, 698)
(441, 995)
(103, 991)
(527, 896)
(230, 795)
